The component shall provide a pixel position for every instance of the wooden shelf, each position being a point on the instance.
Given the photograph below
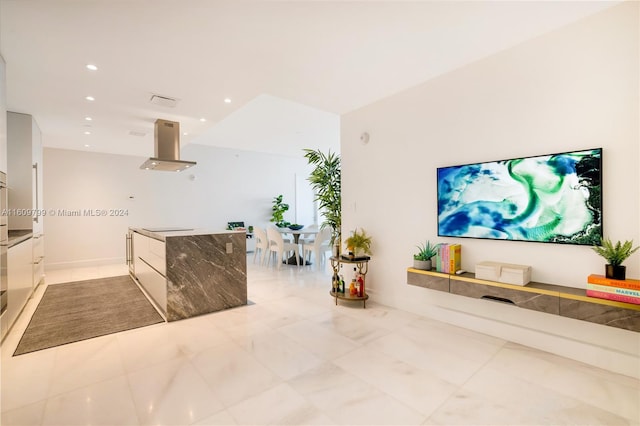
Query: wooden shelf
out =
(548, 298)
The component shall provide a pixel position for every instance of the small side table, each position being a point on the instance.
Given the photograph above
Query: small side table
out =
(363, 266)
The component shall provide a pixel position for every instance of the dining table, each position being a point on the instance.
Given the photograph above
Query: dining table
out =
(296, 240)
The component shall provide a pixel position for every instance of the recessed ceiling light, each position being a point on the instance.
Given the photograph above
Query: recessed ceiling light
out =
(92, 67)
(86, 132)
(88, 118)
(86, 145)
(90, 98)
(185, 134)
(227, 100)
(203, 119)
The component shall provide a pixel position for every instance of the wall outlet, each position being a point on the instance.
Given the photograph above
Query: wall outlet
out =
(229, 248)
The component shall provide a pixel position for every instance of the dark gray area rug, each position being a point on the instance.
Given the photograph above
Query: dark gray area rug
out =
(80, 310)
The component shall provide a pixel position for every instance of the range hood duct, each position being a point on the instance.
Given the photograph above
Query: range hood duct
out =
(167, 149)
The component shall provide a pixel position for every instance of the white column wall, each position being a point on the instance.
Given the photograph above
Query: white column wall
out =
(573, 88)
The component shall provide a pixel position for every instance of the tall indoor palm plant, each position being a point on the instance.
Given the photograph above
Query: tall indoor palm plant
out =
(325, 180)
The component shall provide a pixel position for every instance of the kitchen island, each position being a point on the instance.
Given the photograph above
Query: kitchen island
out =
(189, 272)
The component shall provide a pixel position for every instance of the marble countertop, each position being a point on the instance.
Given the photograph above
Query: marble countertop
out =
(162, 235)
(16, 236)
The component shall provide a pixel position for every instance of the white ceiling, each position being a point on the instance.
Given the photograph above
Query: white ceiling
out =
(289, 67)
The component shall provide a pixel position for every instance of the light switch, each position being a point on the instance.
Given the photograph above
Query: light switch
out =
(229, 248)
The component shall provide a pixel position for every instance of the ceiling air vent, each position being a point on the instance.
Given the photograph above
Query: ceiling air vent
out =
(137, 133)
(164, 101)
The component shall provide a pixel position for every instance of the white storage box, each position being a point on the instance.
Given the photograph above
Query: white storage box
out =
(504, 273)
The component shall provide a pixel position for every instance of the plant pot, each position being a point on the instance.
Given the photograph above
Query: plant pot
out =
(424, 265)
(359, 252)
(616, 272)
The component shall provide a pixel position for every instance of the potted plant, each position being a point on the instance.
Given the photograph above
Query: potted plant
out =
(326, 182)
(359, 243)
(278, 210)
(615, 255)
(422, 259)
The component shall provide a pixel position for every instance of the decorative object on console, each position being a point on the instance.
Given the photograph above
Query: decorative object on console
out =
(611, 289)
(278, 210)
(358, 244)
(504, 273)
(235, 226)
(615, 255)
(326, 181)
(448, 258)
(547, 198)
(422, 259)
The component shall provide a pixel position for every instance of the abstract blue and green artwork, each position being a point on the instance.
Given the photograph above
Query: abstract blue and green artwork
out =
(552, 198)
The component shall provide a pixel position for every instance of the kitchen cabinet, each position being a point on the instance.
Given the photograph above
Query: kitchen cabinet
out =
(38, 259)
(3, 115)
(25, 182)
(20, 279)
(24, 170)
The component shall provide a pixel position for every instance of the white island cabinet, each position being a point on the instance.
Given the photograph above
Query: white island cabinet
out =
(150, 268)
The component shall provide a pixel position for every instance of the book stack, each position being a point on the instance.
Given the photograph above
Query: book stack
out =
(627, 291)
(449, 258)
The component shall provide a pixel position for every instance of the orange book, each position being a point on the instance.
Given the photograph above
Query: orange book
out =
(602, 280)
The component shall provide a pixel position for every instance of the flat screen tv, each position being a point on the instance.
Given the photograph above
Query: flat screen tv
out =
(554, 198)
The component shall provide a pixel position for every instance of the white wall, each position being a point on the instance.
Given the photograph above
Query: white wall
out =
(226, 185)
(574, 88)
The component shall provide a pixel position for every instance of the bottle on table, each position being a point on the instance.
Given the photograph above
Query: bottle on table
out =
(335, 282)
(352, 287)
(360, 280)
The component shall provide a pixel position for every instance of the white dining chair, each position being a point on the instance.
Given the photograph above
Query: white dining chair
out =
(319, 246)
(262, 244)
(309, 237)
(278, 247)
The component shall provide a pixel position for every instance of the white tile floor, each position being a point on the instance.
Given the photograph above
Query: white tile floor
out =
(293, 357)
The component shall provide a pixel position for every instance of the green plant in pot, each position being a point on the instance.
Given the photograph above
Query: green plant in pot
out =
(278, 210)
(326, 181)
(422, 259)
(615, 254)
(359, 243)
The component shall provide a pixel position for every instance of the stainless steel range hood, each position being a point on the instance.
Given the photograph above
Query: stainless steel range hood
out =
(167, 149)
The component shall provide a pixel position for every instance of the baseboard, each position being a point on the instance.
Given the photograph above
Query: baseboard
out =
(83, 263)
